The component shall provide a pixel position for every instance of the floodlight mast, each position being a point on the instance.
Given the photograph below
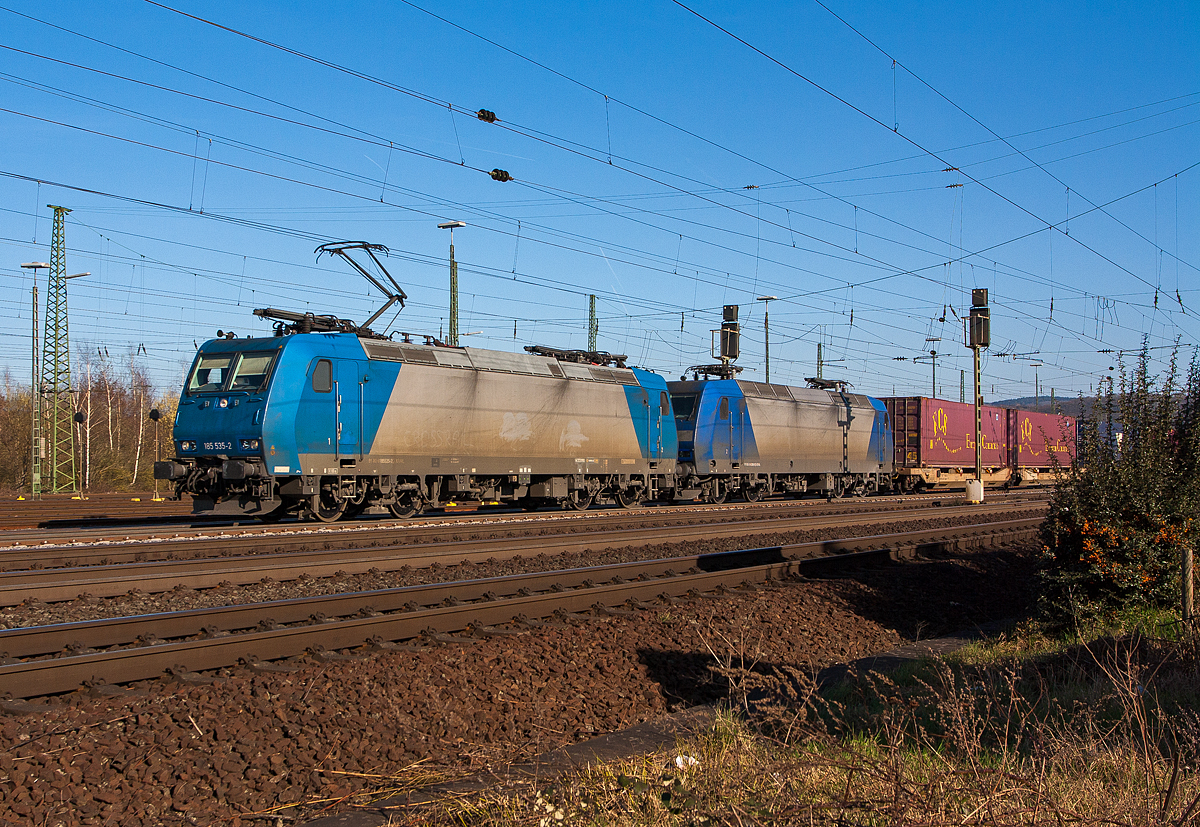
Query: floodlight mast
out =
(766, 300)
(452, 333)
(37, 444)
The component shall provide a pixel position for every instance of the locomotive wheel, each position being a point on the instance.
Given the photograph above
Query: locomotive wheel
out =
(273, 516)
(580, 502)
(718, 497)
(629, 498)
(405, 506)
(754, 493)
(324, 508)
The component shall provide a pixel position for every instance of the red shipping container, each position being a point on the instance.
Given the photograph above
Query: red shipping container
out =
(1041, 439)
(936, 433)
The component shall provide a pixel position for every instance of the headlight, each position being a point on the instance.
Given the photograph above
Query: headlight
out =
(249, 444)
(187, 445)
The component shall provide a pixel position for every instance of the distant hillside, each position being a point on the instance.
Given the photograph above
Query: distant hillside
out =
(1069, 405)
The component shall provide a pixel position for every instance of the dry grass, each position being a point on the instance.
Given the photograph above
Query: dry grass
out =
(1024, 731)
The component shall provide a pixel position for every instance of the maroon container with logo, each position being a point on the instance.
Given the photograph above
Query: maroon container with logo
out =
(1039, 439)
(936, 433)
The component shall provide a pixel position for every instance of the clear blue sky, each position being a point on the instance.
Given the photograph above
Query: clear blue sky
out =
(223, 192)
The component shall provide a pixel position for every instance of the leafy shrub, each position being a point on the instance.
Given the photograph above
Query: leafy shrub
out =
(1121, 518)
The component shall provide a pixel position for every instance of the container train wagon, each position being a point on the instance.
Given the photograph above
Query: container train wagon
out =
(935, 443)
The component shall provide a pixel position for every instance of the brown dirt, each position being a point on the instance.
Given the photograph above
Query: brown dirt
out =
(216, 754)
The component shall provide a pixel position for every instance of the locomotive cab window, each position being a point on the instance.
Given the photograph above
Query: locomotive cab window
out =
(252, 371)
(685, 406)
(724, 414)
(323, 376)
(210, 373)
(664, 403)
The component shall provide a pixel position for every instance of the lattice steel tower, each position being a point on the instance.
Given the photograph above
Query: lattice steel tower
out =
(593, 323)
(58, 467)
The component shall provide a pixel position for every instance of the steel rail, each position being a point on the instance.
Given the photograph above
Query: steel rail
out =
(67, 583)
(36, 513)
(444, 521)
(96, 525)
(464, 604)
(93, 551)
(288, 538)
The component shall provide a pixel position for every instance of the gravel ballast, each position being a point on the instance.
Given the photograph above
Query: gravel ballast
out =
(135, 602)
(304, 740)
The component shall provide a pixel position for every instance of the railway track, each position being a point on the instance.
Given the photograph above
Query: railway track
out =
(48, 660)
(121, 516)
(57, 574)
(51, 509)
(296, 534)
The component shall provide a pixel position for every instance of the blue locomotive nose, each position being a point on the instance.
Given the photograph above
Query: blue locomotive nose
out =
(225, 425)
(219, 422)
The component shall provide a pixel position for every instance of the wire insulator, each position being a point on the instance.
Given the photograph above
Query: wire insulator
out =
(486, 115)
(501, 175)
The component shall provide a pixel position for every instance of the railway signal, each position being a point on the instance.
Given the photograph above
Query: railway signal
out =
(155, 416)
(979, 336)
(730, 333)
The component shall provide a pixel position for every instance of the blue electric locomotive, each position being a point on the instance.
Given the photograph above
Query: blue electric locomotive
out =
(331, 424)
(754, 439)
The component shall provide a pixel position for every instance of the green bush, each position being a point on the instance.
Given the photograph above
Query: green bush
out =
(1119, 521)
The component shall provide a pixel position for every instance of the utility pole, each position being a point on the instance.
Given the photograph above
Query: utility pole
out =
(37, 444)
(1037, 388)
(56, 367)
(820, 362)
(962, 386)
(452, 336)
(979, 333)
(593, 323)
(766, 300)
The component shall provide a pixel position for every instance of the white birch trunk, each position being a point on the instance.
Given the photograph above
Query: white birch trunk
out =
(137, 457)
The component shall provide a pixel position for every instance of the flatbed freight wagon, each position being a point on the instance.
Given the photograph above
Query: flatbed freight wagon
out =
(935, 443)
